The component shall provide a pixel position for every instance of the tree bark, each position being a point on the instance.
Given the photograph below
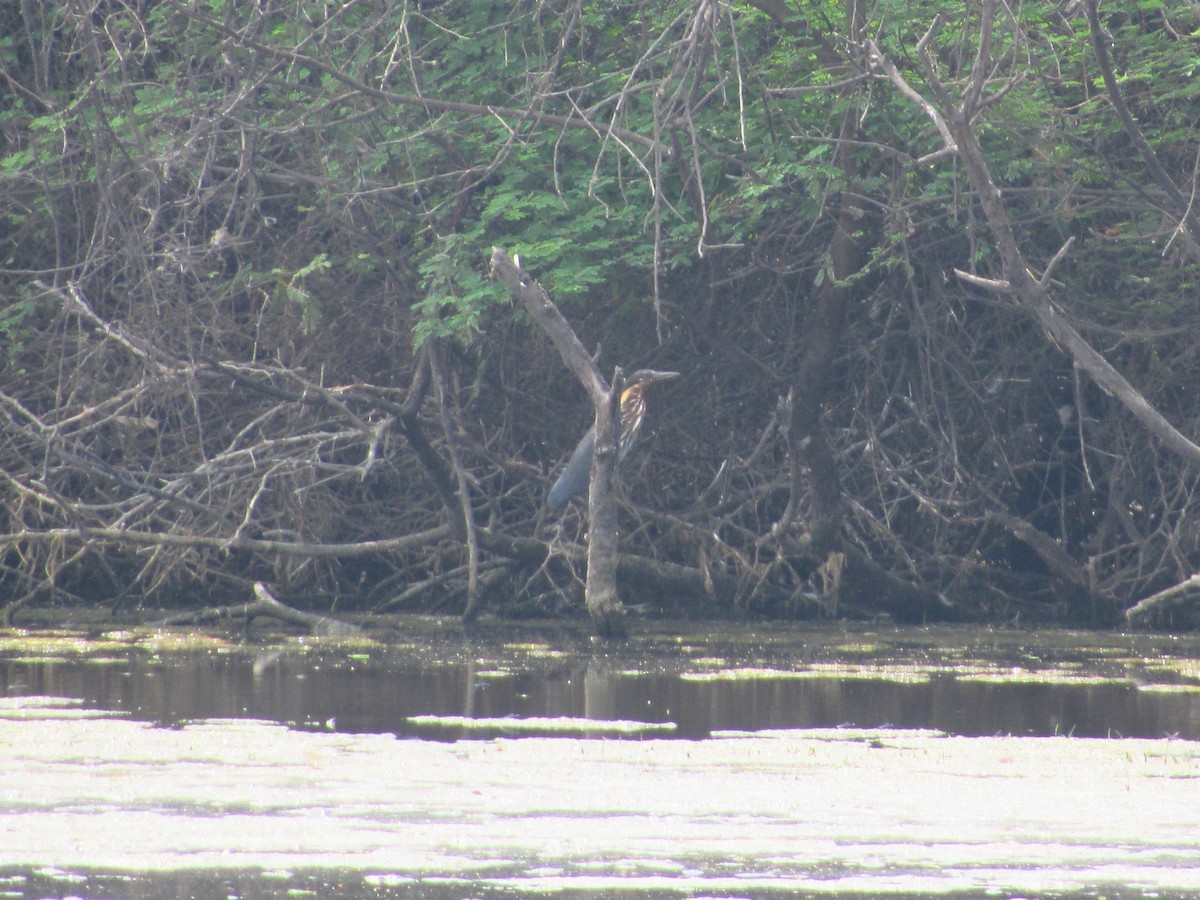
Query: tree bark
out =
(600, 595)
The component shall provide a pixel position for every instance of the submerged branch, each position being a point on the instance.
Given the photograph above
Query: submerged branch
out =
(265, 604)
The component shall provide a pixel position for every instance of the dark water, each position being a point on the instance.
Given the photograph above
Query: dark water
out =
(380, 692)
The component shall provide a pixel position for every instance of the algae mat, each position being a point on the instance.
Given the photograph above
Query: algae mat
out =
(873, 812)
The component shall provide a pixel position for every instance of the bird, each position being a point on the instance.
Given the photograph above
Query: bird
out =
(577, 472)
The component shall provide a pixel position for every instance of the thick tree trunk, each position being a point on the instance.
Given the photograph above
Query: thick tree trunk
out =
(824, 327)
(825, 323)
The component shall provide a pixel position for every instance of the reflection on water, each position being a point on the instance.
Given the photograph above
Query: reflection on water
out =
(379, 694)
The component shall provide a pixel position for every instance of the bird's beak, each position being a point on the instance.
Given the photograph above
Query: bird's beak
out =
(659, 376)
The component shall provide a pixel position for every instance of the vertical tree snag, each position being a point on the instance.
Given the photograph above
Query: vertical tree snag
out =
(603, 601)
(600, 594)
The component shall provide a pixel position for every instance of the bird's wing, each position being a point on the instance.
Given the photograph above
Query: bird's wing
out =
(575, 473)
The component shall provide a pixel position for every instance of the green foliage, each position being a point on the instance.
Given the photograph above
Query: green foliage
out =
(159, 108)
(291, 291)
(13, 325)
(454, 293)
(17, 322)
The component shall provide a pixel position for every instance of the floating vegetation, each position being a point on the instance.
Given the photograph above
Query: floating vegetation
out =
(714, 661)
(516, 678)
(1183, 668)
(536, 650)
(559, 725)
(48, 708)
(742, 674)
(1043, 676)
(1169, 688)
(904, 673)
(852, 648)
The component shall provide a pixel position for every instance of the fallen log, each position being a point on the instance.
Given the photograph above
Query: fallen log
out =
(266, 605)
(1176, 595)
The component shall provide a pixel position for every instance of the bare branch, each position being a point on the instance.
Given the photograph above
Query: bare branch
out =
(992, 284)
(539, 305)
(1047, 275)
(878, 60)
(119, 537)
(1032, 294)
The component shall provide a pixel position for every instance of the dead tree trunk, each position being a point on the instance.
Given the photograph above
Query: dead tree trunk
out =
(600, 593)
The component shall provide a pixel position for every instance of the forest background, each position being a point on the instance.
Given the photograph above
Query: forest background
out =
(928, 271)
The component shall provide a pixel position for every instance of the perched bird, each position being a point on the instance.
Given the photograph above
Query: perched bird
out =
(575, 476)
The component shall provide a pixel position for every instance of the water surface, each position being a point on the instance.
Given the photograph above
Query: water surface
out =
(149, 763)
(958, 681)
